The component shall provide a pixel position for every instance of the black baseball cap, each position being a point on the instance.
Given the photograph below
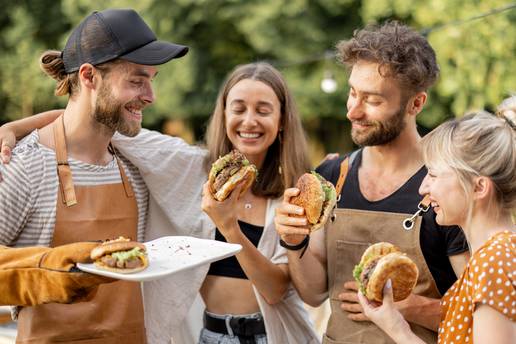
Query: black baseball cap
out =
(116, 33)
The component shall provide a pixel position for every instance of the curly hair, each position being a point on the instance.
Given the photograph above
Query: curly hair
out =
(400, 52)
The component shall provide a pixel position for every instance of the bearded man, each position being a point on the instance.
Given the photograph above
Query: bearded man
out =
(392, 67)
(66, 183)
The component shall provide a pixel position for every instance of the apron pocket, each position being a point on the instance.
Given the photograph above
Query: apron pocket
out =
(348, 255)
(328, 340)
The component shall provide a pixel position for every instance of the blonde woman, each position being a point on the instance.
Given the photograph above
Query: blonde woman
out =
(471, 181)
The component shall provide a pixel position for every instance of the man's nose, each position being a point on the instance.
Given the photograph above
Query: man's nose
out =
(355, 110)
(148, 95)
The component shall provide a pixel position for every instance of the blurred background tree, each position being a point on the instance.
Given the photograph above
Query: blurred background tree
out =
(297, 36)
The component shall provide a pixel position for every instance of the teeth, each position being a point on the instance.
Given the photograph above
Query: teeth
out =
(135, 112)
(249, 135)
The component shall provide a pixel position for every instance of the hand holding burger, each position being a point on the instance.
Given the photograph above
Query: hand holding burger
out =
(227, 172)
(120, 255)
(317, 196)
(383, 261)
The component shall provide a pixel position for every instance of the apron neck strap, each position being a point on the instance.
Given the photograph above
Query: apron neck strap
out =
(125, 181)
(64, 172)
(344, 167)
(425, 202)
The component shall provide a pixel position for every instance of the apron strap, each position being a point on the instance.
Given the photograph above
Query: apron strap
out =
(344, 167)
(425, 202)
(125, 181)
(64, 172)
(422, 207)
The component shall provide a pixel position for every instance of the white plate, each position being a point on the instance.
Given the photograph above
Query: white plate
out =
(171, 254)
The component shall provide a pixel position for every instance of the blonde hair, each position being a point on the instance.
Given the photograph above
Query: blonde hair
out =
(288, 153)
(479, 144)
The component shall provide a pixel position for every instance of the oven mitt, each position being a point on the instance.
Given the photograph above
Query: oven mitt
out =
(37, 275)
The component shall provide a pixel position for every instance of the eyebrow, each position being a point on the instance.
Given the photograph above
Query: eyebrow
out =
(143, 73)
(260, 103)
(371, 93)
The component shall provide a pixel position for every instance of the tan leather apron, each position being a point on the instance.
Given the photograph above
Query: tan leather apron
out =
(348, 235)
(84, 213)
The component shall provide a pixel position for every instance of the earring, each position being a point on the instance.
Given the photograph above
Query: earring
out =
(280, 171)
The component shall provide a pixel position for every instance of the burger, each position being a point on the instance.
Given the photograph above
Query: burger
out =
(381, 262)
(317, 196)
(227, 172)
(120, 255)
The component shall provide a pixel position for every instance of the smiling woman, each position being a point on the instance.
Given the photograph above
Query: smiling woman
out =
(254, 114)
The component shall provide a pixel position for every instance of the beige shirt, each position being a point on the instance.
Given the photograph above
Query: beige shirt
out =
(174, 173)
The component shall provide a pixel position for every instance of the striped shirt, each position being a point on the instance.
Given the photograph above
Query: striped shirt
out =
(28, 192)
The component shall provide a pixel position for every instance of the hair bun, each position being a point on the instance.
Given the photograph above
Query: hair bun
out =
(507, 111)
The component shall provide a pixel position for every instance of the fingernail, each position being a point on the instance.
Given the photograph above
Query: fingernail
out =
(388, 284)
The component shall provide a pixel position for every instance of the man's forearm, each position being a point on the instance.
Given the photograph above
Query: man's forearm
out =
(421, 310)
(308, 276)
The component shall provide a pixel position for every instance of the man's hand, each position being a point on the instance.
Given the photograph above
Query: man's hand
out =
(291, 224)
(350, 302)
(37, 275)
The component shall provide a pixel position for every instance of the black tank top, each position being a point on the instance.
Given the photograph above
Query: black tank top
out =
(230, 267)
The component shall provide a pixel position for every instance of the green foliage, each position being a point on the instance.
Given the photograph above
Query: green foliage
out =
(476, 58)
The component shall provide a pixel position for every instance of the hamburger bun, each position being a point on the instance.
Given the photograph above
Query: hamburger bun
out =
(318, 198)
(120, 255)
(383, 261)
(227, 172)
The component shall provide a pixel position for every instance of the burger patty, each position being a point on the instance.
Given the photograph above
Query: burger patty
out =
(225, 174)
(114, 263)
(368, 270)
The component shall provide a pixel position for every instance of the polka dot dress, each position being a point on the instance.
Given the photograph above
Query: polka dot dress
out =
(490, 279)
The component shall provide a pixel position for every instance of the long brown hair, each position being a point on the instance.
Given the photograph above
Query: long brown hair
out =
(287, 154)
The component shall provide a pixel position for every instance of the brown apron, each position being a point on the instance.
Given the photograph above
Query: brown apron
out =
(348, 235)
(85, 213)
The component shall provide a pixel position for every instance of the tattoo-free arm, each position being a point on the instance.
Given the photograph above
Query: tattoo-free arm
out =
(24, 126)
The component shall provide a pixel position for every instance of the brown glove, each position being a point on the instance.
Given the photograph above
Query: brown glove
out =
(36, 275)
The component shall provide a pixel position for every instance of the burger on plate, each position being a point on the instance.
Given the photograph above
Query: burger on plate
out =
(317, 196)
(381, 262)
(227, 172)
(120, 255)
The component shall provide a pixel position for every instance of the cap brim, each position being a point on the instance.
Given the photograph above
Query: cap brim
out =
(156, 53)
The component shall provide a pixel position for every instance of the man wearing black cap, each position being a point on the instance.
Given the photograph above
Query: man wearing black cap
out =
(66, 183)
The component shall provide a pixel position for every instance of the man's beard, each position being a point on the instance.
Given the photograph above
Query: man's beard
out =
(108, 111)
(380, 132)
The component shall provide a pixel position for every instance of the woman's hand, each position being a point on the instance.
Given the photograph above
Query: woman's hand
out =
(224, 214)
(7, 142)
(387, 317)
